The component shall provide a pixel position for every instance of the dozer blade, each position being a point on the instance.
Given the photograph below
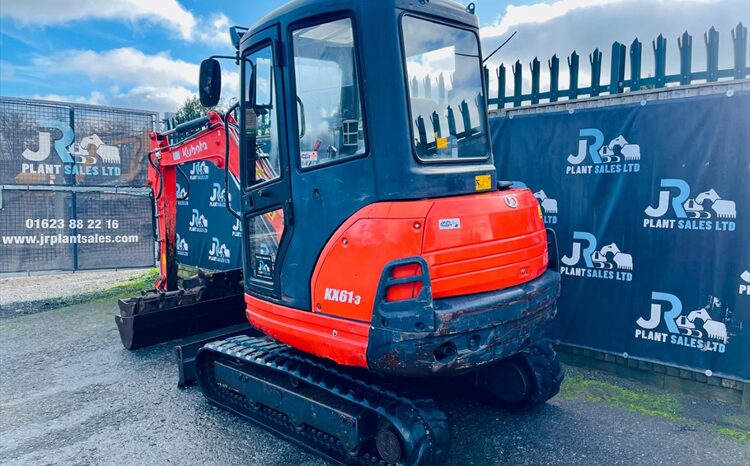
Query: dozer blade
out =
(141, 329)
(187, 349)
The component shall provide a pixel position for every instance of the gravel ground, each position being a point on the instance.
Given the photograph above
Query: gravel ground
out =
(70, 394)
(27, 293)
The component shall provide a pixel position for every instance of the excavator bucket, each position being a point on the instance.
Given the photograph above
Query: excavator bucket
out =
(209, 302)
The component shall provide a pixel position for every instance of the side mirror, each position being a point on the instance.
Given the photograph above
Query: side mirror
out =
(209, 82)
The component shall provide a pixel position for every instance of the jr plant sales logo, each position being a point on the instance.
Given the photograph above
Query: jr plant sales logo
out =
(705, 329)
(218, 197)
(675, 209)
(182, 195)
(586, 260)
(199, 171)
(181, 246)
(549, 207)
(73, 158)
(237, 228)
(219, 252)
(594, 157)
(198, 222)
(744, 288)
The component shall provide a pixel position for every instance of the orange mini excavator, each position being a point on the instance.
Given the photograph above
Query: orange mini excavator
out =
(395, 255)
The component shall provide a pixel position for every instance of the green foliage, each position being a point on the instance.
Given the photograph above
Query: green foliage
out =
(190, 110)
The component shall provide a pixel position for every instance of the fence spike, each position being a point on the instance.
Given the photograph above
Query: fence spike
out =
(486, 72)
(685, 44)
(441, 89)
(427, 87)
(421, 130)
(595, 58)
(739, 40)
(617, 69)
(573, 61)
(517, 84)
(501, 86)
(711, 38)
(554, 77)
(535, 72)
(636, 55)
(660, 60)
(451, 121)
(435, 118)
(465, 116)
(414, 87)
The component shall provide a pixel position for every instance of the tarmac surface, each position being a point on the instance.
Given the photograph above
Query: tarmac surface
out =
(71, 395)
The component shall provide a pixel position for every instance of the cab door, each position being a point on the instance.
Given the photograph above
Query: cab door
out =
(264, 164)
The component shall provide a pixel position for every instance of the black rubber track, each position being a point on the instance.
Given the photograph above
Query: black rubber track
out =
(421, 424)
(547, 373)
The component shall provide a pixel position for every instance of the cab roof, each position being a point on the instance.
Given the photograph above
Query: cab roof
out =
(300, 9)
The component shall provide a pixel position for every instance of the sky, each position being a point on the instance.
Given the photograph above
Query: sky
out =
(144, 54)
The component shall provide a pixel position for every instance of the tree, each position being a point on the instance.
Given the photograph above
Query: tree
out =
(190, 110)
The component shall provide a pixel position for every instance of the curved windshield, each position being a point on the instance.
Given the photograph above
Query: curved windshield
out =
(445, 91)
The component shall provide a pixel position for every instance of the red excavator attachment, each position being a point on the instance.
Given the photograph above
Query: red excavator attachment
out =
(210, 300)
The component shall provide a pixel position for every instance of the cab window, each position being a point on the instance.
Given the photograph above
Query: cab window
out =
(261, 126)
(328, 97)
(446, 94)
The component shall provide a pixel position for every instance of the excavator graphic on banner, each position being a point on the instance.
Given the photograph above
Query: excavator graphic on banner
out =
(696, 208)
(379, 248)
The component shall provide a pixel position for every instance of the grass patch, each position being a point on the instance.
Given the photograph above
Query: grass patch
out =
(743, 435)
(661, 405)
(596, 391)
(128, 288)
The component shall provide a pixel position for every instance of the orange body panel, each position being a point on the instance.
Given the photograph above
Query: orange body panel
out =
(339, 340)
(496, 246)
(490, 246)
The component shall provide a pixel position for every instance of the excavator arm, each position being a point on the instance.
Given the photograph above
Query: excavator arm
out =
(212, 300)
(165, 158)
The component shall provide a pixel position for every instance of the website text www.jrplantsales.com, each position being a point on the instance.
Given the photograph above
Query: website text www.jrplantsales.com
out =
(51, 240)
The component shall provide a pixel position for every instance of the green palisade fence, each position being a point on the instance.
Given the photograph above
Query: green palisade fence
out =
(618, 84)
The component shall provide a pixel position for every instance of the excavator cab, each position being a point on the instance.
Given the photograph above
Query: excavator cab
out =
(375, 232)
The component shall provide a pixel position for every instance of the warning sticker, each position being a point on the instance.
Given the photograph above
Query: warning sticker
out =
(482, 182)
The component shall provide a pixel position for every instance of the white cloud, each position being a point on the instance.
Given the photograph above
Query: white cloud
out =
(120, 66)
(49, 12)
(163, 99)
(542, 12)
(216, 31)
(563, 26)
(134, 79)
(95, 98)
